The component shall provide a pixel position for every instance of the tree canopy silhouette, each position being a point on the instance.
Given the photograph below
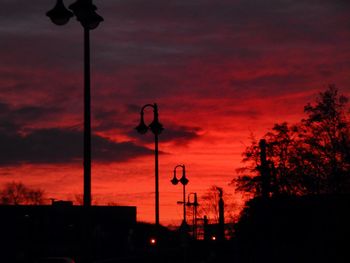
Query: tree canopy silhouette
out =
(310, 157)
(16, 193)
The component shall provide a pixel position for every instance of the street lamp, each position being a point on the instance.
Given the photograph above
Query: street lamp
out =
(195, 205)
(184, 181)
(156, 127)
(85, 13)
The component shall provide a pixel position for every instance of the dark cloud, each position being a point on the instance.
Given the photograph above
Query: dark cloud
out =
(57, 145)
(105, 150)
(179, 135)
(54, 145)
(107, 119)
(27, 114)
(199, 21)
(153, 50)
(133, 108)
(13, 119)
(146, 47)
(270, 84)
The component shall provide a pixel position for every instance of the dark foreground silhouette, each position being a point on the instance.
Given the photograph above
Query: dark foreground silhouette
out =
(279, 229)
(295, 229)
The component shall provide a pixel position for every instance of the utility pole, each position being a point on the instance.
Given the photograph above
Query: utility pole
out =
(264, 171)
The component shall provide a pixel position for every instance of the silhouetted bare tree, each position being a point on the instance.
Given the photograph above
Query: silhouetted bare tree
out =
(311, 157)
(16, 193)
(208, 205)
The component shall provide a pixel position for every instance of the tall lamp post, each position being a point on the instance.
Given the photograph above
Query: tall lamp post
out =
(156, 127)
(195, 205)
(85, 13)
(184, 181)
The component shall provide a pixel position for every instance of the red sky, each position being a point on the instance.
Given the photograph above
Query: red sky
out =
(218, 70)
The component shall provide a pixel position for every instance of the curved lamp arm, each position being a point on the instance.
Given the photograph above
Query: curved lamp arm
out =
(183, 180)
(155, 126)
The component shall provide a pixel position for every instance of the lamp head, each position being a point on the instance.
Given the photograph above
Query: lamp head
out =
(184, 180)
(142, 128)
(156, 126)
(94, 20)
(174, 181)
(59, 15)
(85, 13)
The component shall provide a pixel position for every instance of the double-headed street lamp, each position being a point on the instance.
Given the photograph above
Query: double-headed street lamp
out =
(156, 127)
(184, 181)
(85, 13)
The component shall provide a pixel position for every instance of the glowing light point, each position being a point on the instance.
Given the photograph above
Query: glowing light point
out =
(153, 241)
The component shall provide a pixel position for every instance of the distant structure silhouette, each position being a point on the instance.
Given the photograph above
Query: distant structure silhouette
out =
(221, 227)
(291, 229)
(30, 232)
(195, 205)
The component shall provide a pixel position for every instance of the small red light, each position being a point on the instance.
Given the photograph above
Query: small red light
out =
(213, 238)
(153, 241)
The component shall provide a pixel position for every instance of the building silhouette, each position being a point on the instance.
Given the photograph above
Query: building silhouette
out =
(62, 229)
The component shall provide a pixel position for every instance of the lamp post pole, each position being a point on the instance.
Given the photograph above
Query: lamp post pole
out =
(87, 120)
(184, 181)
(184, 201)
(194, 219)
(156, 175)
(85, 13)
(156, 127)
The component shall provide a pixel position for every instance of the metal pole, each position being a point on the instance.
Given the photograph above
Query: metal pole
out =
(87, 150)
(195, 222)
(156, 178)
(264, 170)
(184, 201)
(221, 235)
(87, 120)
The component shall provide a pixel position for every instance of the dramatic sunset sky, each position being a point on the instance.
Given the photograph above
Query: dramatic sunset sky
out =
(219, 70)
